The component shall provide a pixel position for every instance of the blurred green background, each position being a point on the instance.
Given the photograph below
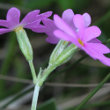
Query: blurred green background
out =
(81, 69)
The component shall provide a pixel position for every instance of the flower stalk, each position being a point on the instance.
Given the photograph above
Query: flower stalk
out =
(35, 97)
(33, 71)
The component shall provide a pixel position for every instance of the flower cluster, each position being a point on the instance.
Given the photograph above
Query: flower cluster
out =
(74, 28)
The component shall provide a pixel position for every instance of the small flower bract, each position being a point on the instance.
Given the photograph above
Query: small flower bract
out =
(12, 22)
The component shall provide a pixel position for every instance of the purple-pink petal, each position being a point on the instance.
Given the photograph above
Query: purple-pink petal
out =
(45, 15)
(4, 30)
(78, 21)
(4, 23)
(50, 27)
(105, 60)
(95, 40)
(89, 49)
(63, 26)
(92, 51)
(91, 33)
(52, 39)
(95, 50)
(30, 17)
(39, 29)
(99, 48)
(67, 16)
(13, 17)
(47, 27)
(87, 19)
(33, 24)
(48, 23)
(63, 36)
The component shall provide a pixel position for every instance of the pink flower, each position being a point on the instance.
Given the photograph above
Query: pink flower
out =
(30, 20)
(76, 29)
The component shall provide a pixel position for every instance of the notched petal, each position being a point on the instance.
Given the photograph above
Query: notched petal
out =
(87, 19)
(60, 23)
(63, 36)
(30, 17)
(92, 32)
(78, 21)
(67, 16)
(13, 16)
(4, 30)
(4, 23)
(46, 14)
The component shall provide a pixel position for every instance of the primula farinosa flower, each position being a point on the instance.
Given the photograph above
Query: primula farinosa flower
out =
(12, 21)
(75, 29)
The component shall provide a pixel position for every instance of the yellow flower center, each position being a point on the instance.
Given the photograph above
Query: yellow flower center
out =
(65, 42)
(81, 43)
(18, 28)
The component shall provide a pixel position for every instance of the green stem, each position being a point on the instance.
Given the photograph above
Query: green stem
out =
(35, 97)
(33, 71)
(92, 93)
(39, 81)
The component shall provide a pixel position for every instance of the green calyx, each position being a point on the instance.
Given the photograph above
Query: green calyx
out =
(24, 43)
(62, 53)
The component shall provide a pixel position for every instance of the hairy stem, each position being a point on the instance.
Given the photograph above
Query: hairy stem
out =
(33, 71)
(35, 97)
